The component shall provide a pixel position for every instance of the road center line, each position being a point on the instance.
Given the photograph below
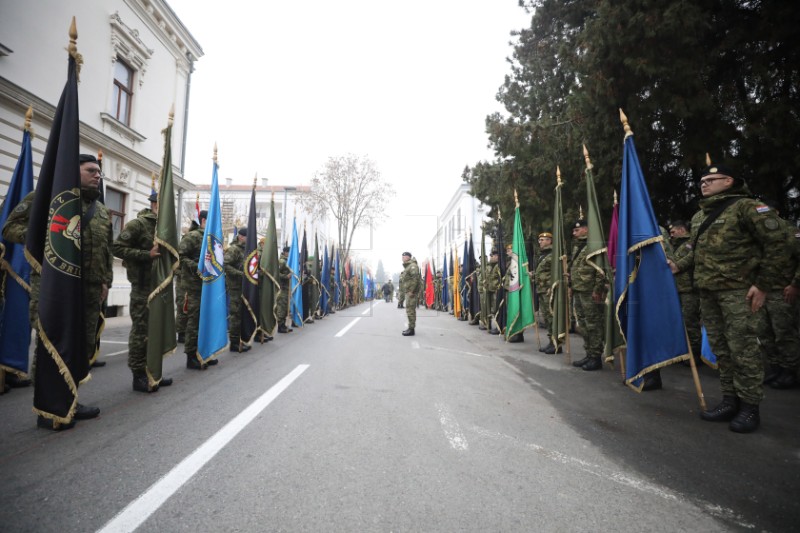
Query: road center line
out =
(347, 327)
(452, 431)
(115, 353)
(367, 310)
(134, 515)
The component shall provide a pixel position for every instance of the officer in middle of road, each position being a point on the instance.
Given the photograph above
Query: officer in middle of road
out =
(234, 274)
(136, 248)
(588, 292)
(410, 283)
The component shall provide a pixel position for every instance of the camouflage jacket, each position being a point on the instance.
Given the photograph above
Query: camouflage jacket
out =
(189, 253)
(683, 279)
(133, 246)
(284, 273)
(409, 278)
(492, 279)
(543, 274)
(583, 276)
(742, 247)
(790, 267)
(234, 263)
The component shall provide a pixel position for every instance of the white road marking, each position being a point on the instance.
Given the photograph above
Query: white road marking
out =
(113, 342)
(459, 352)
(617, 477)
(451, 428)
(367, 310)
(347, 327)
(135, 514)
(115, 353)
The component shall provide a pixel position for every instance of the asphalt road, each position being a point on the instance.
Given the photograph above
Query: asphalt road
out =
(348, 426)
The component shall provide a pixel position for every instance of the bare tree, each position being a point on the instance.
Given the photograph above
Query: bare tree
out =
(351, 189)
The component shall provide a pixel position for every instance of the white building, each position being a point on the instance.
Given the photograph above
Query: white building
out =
(464, 214)
(138, 59)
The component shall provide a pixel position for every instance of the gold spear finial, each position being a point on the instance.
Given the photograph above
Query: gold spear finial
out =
(152, 181)
(72, 47)
(28, 118)
(516, 198)
(255, 179)
(498, 214)
(616, 200)
(580, 211)
(100, 157)
(589, 165)
(215, 153)
(558, 176)
(625, 125)
(171, 117)
(708, 159)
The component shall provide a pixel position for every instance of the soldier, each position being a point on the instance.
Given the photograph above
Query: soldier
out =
(284, 278)
(189, 251)
(544, 282)
(181, 299)
(437, 291)
(737, 244)
(410, 283)
(492, 283)
(476, 278)
(391, 290)
(137, 250)
(234, 274)
(588, 294)
(400, 294)
(690, 300)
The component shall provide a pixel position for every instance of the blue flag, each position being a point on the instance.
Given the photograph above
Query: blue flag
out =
(15, 328)
(337, 282)
(445, 284)
(708, 356)
(647, 302)
(212, 335)
(295, 286)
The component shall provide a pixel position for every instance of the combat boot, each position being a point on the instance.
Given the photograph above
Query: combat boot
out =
(283, 329)
(85, 412)
(140, 383)
(594, 363)
(16, 382)
(771, 373)
(787, 379)
(409, 332)
(517, 338)
(580, 362)
(652, 381)
(746, 420)
(193, 364)
(724, 412)
(549, 345)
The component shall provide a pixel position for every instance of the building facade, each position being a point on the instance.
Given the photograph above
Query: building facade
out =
(138, 59)
(463, 215)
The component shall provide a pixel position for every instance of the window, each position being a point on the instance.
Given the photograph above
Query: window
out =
(115, 202)
(123, 92)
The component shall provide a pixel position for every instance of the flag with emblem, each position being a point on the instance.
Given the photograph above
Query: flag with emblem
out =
(519, 295)
(250, 294)
(15, 272)
(161, 302)
(296, 281)
(53, 248)
(212, 334)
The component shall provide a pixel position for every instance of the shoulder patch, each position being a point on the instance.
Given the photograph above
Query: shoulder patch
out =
(762, 208)
(125, 235)
(771, 223)
(20, 208)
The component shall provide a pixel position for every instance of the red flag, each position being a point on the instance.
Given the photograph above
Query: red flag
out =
(429, 286)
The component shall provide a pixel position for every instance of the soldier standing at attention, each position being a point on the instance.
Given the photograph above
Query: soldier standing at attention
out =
(690, 300)
(189, 251)
(588, 293)
(137, 250)
(410, 283)
(737, 247)
(492, 282)
(284, 278)
(234, 274)
(544, 283)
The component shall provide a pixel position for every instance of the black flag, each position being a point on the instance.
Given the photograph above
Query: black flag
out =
(250, 295)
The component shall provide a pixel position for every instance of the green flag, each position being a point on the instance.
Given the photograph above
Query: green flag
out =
(484, 294)
(518, 292)
(597, 256)
(558, 293)
(268, 278)
(161, 339)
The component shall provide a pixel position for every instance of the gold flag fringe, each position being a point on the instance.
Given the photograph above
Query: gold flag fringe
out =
(164, 284)
(253, 316)
(64, 371)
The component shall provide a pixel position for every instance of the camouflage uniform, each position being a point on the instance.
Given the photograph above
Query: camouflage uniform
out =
(284, 278)
(544, 281)
(741, 248)
(437, 291)
(401, 297)
(189, 251)
(410, 284)
(491, 284)
(587, 280)
(234, 274)
(133, 246)
(14, 230)
(475, 278)
(690, 299)
(180, 301)
(391, 290)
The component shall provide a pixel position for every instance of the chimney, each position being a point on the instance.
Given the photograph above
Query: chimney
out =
(228, 182)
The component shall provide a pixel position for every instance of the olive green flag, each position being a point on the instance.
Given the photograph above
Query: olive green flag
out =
(519, 294)
(161, 337)
(268, 278)
(558, 293)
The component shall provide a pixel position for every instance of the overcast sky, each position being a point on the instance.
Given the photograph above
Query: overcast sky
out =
(285, 85)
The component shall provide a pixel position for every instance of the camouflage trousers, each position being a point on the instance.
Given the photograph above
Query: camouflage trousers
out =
(137, 338)
(780, 335)
(92, 307)
(180, 314)
(546, 313)
(282, 306)
(234, 315)
(690, 307)
(733, 334)
(591, 322)
(491, 299)
(400, 299)
(411, 309)
(192, 319)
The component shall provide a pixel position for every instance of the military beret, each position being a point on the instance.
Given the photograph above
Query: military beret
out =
(406, 254)
(286, 249)
(678, 224)
(87, 158)
(546, 234)
(153, 197)
(203, 215)
(718, 169)
(242, 232)
(581, 223)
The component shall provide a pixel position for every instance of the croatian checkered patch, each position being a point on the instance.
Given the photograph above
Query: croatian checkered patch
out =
(762, 208)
